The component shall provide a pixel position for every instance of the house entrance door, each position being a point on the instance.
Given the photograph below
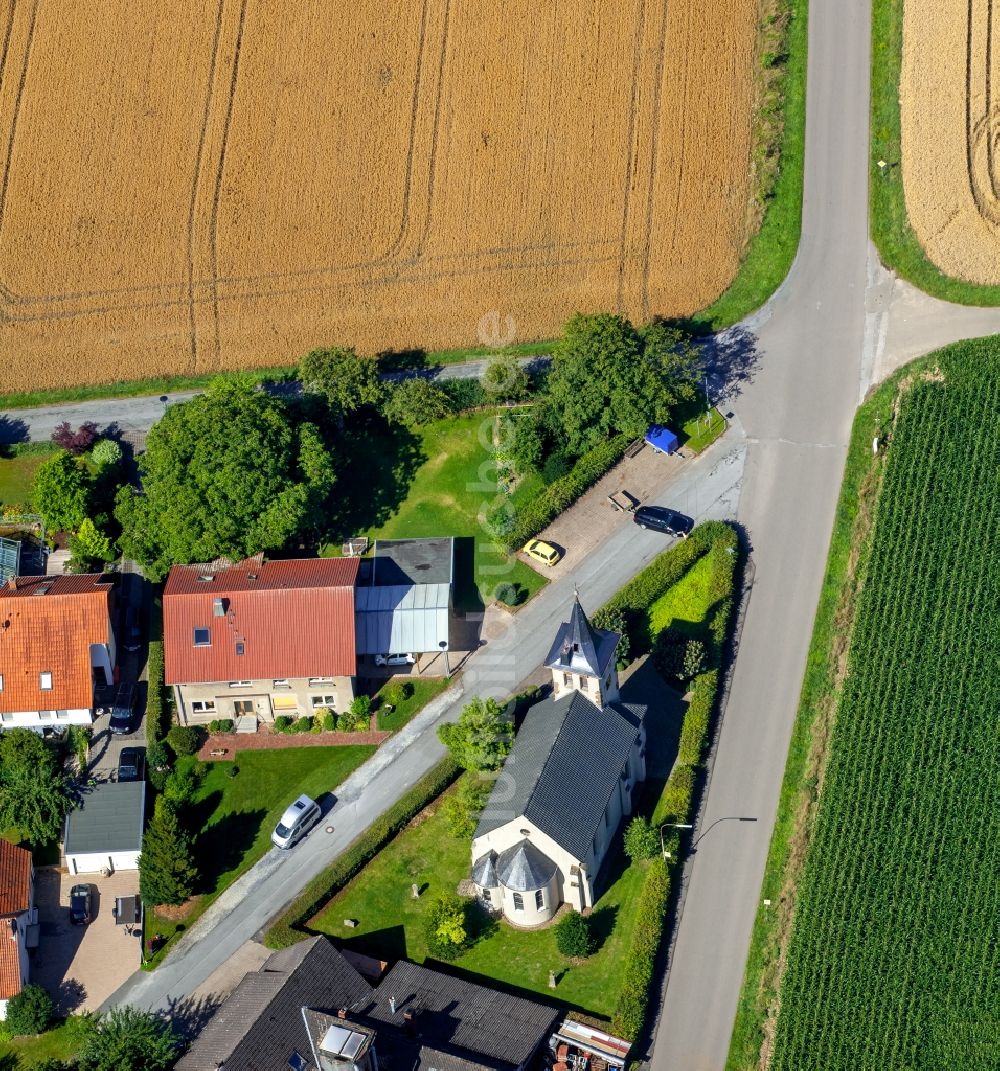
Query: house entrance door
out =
(242, 706)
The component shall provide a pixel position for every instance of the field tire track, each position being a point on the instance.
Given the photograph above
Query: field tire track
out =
(633, 149)
(654, 150)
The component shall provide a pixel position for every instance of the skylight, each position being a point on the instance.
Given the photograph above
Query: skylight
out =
(202, 637)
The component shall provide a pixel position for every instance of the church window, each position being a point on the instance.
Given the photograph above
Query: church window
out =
(518, 902)
(567, 680)
(539, 900)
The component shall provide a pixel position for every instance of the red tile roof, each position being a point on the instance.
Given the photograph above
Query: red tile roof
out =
(15, 879)
(47, 623)
(10, 962)
(293, 618)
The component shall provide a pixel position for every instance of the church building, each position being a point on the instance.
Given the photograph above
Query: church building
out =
(570, 778)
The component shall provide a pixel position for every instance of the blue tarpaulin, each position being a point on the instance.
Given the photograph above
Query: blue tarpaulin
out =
(662, 439)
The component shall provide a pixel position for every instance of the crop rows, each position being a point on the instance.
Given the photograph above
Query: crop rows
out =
(894, 960)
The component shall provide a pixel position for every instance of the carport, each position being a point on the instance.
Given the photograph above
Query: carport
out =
(104, 833)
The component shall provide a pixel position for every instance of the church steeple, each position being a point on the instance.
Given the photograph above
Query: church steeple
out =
(582, 658)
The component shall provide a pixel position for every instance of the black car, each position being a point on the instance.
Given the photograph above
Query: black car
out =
(661, 519)
(123, 713)
(80, 902)
(131, 764)
(133, 630)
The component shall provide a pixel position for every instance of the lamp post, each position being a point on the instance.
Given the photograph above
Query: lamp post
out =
(444, 650)
(671, 825)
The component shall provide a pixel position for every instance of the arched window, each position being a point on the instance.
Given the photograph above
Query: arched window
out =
(518, 902)
(539, 900)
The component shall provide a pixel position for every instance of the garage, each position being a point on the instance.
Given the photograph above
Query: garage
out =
(104, 834)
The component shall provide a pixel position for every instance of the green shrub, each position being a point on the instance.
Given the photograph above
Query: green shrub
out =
(30, 1011)
(445, 928)
(463, 393)
(225, 725)
(361, 706)
(105, 453)
(184, 739)
(561, 494)
(396, 692)
(155, 719)
(668, 653)
(573, 936)
(317, 722)
(613, 619)
(282, 723)
(675, 800)
(463, 807)
(415, 402)
(555, 467)
(303, 724)
(213, 725)
(640, 959)
(694, 729)
(181, 785)
(641, 840)
(694, 659)
(329, 721)
(287, 928)
(345, 723)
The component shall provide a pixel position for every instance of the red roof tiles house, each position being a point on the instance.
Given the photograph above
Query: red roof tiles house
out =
(47, 625)
(257, 620)
(15, 879)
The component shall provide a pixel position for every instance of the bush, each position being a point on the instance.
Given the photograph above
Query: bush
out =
(30, 1011)
(415, 402)
(445, 928)
(329, 721)
(184, 739)
(641, 840)
(675, 801)
(181, 785)
(106, 453)
(641, 956)
(361, 706)
(668, 653)
(317, 722)
(154, 690)
(573, 936)
(213, 725)
(463, 807)
(345, 723)
(282, 724)
(463, 393)
(505, 380)
(613, 619)
(303, 724)
(226, 725)
(694, 730)
(158, 755)
(550, 502)
(396, 692)
(286, 931)
(76, 442)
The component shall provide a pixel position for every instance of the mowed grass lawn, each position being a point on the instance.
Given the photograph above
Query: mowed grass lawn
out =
(233, 816)
(422, 692)
(439, 484)
(17, 471)
(390, 922)
(60, 1043)
(687, 603)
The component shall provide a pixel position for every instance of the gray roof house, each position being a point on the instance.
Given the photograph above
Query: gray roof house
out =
(105, 831)
(568, 782)
(308, 1009)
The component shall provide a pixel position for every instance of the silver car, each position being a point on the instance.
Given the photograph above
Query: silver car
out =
(296, 822)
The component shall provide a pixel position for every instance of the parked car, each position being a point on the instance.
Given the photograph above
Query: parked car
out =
(661, 519)
(131, 764)
(132, 639)
(123, 713)
(296, 822)
(80, 904)
(542, 552)
(394, 659)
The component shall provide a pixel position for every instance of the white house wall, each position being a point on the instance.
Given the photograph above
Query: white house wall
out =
(102, 658)
(269, 702)
(30, 719)
(94, 863)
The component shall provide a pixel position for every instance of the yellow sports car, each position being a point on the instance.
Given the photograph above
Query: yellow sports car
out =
(542, 552)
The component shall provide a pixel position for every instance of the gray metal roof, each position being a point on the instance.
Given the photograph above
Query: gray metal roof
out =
(484, 871)
(581, 648)
(109, 819)
(413, 561)
(523, 868)
(401, 618)
(565, 763)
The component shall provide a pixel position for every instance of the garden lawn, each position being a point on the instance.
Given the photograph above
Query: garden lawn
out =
(235, 815)
(453, 482)
(701, 431)
(390, 921)
(687, 603)
(60, 1043)
(18, 465)
(423, 692)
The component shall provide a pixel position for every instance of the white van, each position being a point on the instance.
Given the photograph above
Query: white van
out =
(296, 822)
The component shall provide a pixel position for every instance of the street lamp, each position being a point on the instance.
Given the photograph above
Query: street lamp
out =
(671, 825)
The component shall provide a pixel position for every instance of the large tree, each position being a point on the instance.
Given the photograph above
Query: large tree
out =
(227, 473)
(481, 738)
(347, 381)
(34, 793)
(166, 865)
(602, 382)
(61, 492)
(125, 1039)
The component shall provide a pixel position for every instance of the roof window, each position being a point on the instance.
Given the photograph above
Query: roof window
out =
(1, 682)
(202, 637)
(45, 680)
(240, 647)
(205, 578)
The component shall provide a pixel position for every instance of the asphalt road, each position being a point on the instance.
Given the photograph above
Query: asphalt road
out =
(797, 412)
(709, 486)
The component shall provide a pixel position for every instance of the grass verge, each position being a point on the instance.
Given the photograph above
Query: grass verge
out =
(757, 1007)
(770, 254)
(60, 1043)
(18, 465)
(892, 234)
(423, 692)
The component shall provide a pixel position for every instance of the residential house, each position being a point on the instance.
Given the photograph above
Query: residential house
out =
(260, 638)
(570, 778)
(104, 832)
(308, 1009)
(18, 920)
(403, 605)
(56, 641)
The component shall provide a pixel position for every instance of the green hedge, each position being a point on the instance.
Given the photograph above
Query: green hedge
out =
(694, 730)
(641, 962)
(562, 493)
(154, 692)
(288, 927)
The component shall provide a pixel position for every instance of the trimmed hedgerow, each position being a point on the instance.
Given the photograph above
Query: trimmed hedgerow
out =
(289, 927)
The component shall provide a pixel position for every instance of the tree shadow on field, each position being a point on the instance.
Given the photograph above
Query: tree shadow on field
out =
(222, 846)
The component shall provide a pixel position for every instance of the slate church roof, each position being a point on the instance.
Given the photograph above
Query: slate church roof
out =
(581, 648)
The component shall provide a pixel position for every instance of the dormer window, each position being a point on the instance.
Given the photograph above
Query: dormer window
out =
(202, 637)
(45, 680)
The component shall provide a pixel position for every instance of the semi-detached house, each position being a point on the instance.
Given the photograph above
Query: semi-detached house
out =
(56, 643)
(259, 638)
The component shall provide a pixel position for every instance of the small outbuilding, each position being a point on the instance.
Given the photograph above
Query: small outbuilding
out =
(105, 831)
(662, 439)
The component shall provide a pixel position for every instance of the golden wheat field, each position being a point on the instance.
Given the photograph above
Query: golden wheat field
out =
(192, 185)
(951, 133)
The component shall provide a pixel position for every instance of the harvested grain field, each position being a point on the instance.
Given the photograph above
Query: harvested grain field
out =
(950, 129)
(218, 184)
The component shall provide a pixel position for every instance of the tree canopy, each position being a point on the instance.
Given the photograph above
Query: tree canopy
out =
(481, 738)
(61, 492)
(225, 474)
(125, 1039)
(414, 402)
(347, 381)
(34, 794)
(166, 866)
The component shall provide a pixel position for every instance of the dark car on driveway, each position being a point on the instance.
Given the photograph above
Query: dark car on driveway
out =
(131, 764)
(123, 713)
(80, 904)
(661, 519)
(133, 630)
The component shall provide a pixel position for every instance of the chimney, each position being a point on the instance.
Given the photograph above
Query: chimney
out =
(392, 1005)
(341, 1013)
(12, 583)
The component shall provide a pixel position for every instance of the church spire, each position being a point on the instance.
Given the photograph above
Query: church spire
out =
(583, 653)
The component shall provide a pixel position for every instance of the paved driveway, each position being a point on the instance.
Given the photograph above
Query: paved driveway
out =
(81, 965)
